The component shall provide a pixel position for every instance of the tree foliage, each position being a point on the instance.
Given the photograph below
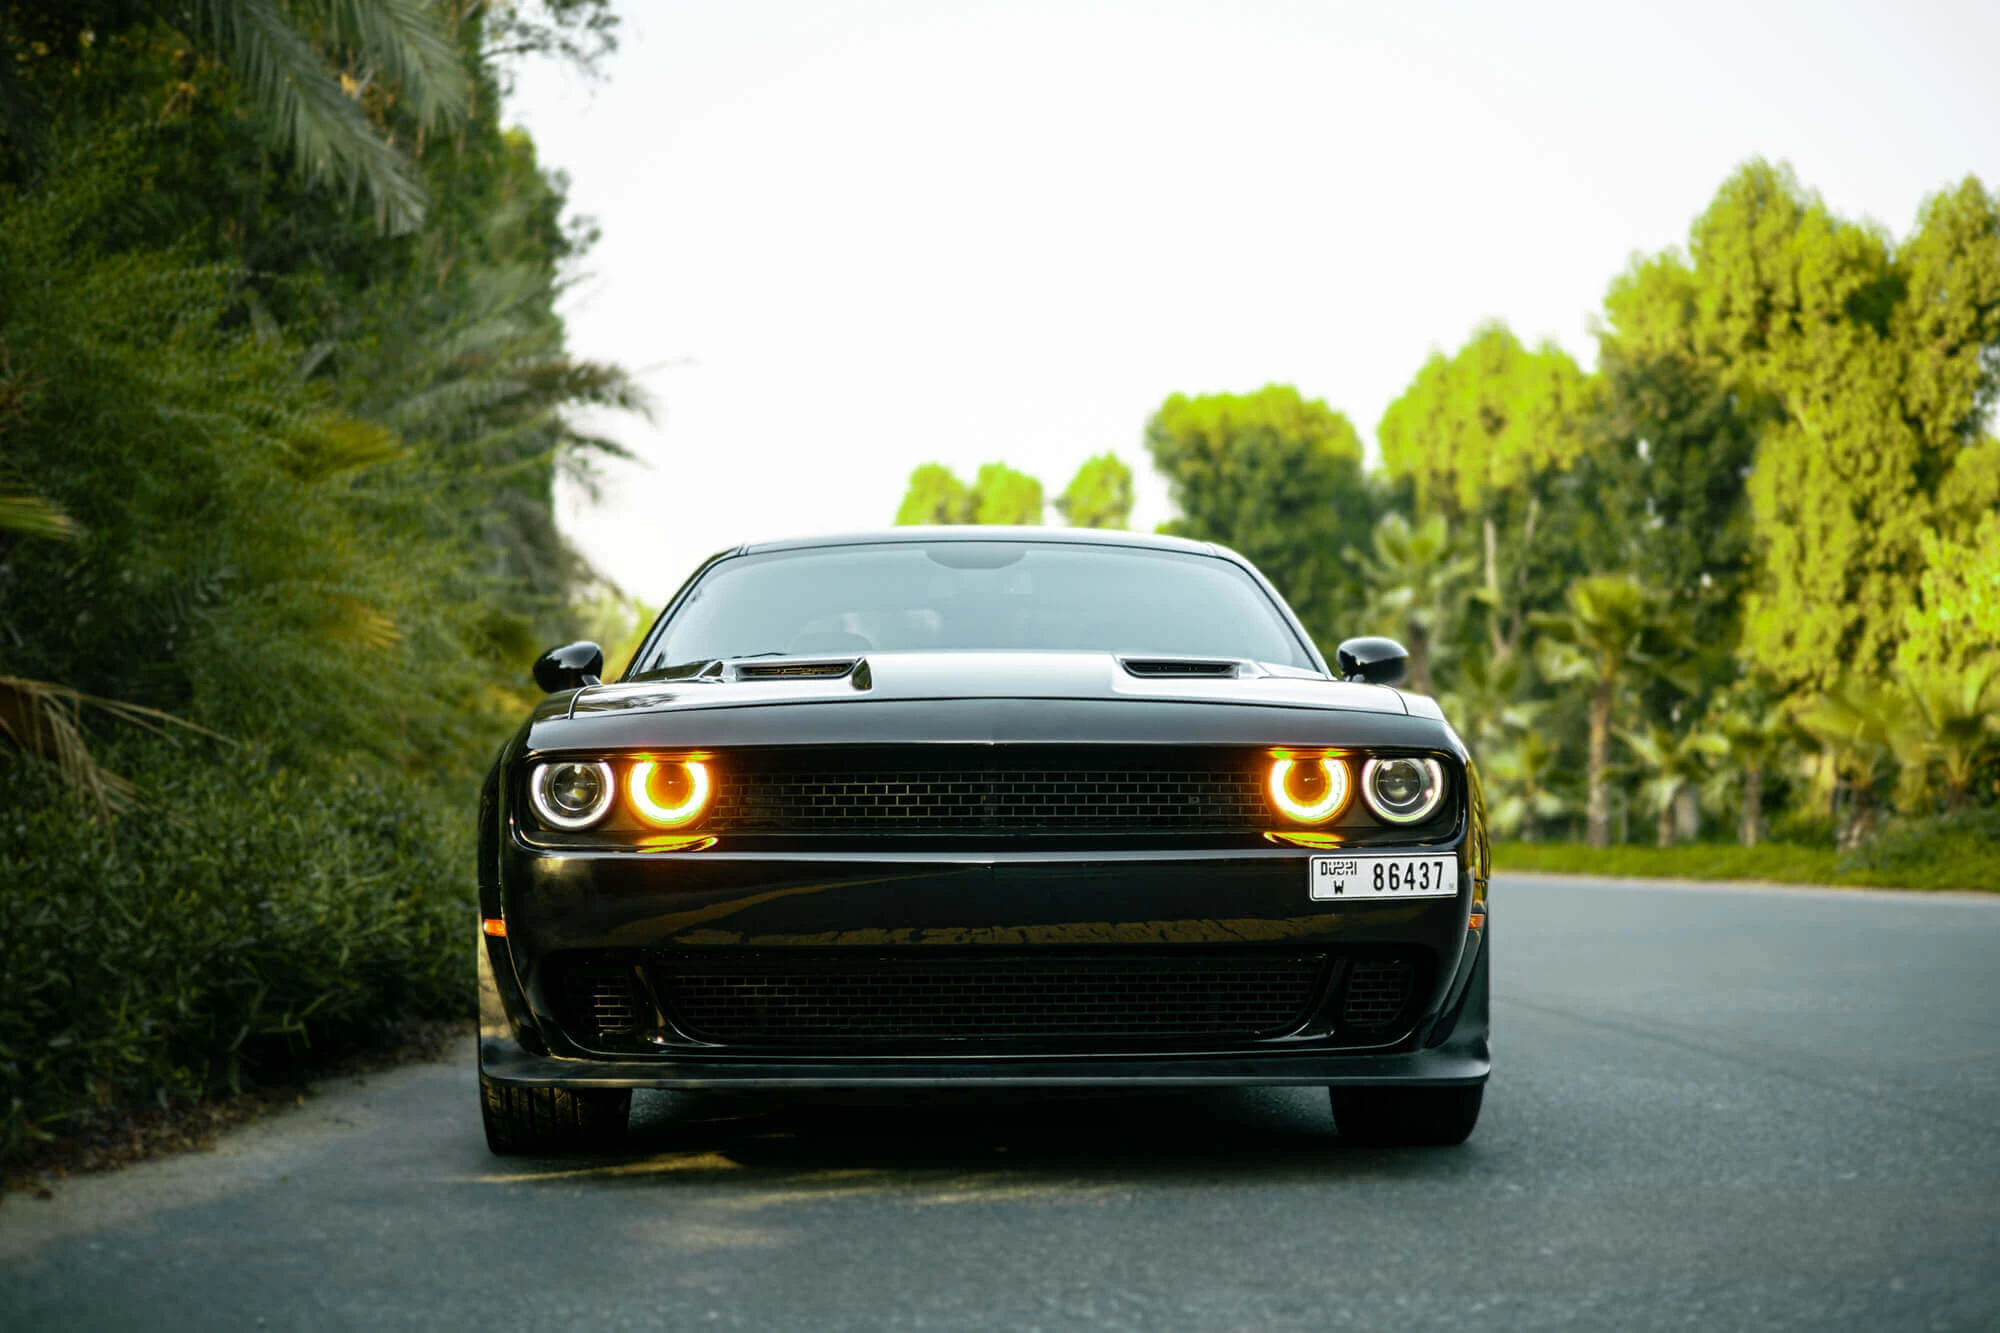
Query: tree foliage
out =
(1479, 436)
(1277, 478)
(1099, 496)
(283, 402)
(1000, 495)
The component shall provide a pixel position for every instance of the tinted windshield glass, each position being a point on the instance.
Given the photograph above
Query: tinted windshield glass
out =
(913, 597)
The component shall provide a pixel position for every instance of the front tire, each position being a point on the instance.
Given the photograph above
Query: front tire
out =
(544, 1122)
(1407, 1117)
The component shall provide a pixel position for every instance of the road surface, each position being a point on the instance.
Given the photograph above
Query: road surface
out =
(1713, 1108)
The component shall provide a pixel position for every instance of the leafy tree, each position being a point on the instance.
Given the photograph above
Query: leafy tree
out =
(1954, 620)
(1277, 478)
(1099, 496)
(1002, 495)
(1414, 578)
(1659, 487)
(999, 495)
(1873, 365)
(935, 496)
(1479, 435)
(1611, 631)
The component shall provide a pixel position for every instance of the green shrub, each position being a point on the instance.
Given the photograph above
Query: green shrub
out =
(248, 923)
(1956, 851)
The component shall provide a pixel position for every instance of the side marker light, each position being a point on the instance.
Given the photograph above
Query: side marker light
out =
(495, 926)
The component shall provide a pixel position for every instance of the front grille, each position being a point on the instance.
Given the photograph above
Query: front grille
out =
(598, 1000)
(1151, 997)
(1377, 992)
(1006, 800)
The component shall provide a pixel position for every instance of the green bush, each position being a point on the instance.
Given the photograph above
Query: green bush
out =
(267, 921)
(1956, 851)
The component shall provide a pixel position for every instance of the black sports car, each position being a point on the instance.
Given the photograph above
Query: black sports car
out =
(981, 807)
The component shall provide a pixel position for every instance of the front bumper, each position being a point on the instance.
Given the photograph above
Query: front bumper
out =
(926, 904)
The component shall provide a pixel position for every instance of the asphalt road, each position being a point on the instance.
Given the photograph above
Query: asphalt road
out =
(1713, 1108)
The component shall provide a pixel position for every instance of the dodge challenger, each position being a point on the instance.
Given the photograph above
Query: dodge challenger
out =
(981, 807)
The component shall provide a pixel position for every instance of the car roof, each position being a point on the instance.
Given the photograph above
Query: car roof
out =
(989, 533)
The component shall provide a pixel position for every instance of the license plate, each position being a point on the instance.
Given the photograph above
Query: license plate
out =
(1378, 876)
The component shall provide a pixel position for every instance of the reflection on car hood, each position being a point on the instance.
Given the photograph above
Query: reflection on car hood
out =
(975, 675)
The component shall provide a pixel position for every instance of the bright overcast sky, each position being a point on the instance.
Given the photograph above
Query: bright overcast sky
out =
(845, 239)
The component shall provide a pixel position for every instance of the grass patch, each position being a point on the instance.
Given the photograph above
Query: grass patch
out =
(1948, 852)
(1770, 861)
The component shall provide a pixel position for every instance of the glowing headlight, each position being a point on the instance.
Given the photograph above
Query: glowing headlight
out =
(571, 794)
(1403, 791)
(669, 794)
(1309, 791)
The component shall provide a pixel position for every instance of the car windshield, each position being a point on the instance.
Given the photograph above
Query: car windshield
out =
(975, 595)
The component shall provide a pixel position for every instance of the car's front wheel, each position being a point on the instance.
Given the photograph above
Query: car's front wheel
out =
(1417, 1117)
(546, 1121)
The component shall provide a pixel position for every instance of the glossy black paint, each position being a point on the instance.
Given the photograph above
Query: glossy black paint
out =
(1375, 661)
(569, 667)
(563, 898)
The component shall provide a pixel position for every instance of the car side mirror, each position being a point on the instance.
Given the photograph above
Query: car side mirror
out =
(570, 667)
(1372, 661)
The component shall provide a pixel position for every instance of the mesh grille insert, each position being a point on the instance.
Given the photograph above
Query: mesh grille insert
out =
(1377, 992)
(598, 1000)
(1004, 800)
(1151, 997)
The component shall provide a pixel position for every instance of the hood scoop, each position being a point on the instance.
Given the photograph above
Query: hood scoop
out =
(1169, 668)
(854, 668)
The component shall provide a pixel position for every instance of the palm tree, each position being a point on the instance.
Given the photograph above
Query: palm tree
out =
(1758, 733)
(1674, 765)
(1522, 776)
(1610, 631)
(322, 76)
(1413, 579)
(1852, 722)
(1948, 732)
(1485, 704)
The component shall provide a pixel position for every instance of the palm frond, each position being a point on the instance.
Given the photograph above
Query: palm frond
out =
(331, 445)
(310, 114)
(30, 515)
(413, 47)
(45, 721)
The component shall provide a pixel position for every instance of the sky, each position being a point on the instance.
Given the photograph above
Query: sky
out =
(842, 239)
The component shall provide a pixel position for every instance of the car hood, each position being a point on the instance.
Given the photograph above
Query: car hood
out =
(891, 677)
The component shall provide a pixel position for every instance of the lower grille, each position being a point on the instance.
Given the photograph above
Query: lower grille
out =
(1377, 992)
(1150, 998)
(598, 1000)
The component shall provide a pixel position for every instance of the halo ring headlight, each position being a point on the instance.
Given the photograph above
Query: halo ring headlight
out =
(1403, 790)
(571, 793)
(1333, 774)
(669, 814)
